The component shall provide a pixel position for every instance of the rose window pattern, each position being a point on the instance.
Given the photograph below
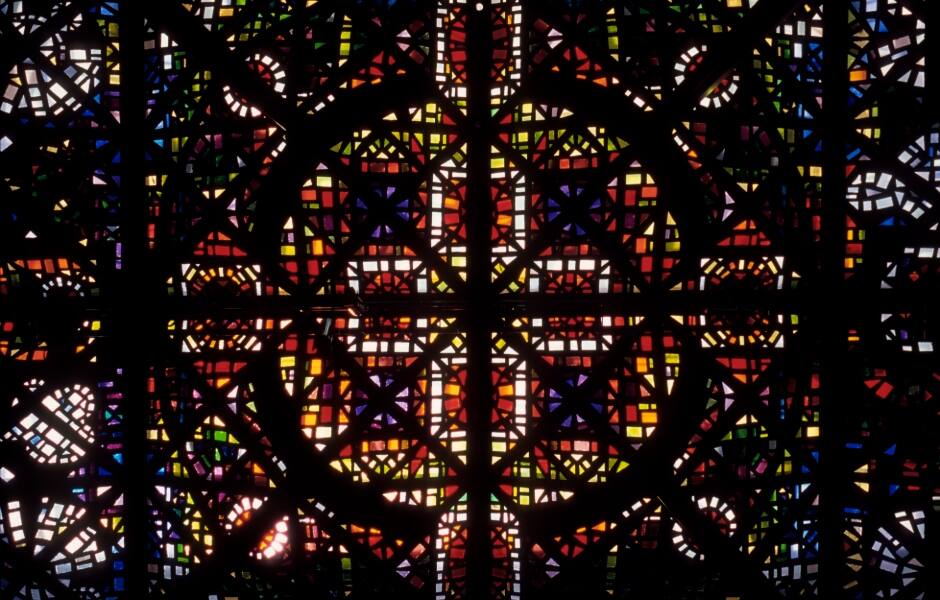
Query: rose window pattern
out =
(446, 299)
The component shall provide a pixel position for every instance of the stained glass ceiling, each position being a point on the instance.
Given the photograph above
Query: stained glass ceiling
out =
(436, 299)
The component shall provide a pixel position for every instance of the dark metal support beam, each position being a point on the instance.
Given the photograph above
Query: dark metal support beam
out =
(828, 325)
(136, 327)
(480, 305)
(932, 483)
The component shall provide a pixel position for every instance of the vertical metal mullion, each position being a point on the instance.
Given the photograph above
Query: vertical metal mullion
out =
(932, 484)
(932, 113)
(480, 304)
(829, 322)
(135, 322)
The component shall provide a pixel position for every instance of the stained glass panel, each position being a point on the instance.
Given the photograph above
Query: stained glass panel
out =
(447, 299)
